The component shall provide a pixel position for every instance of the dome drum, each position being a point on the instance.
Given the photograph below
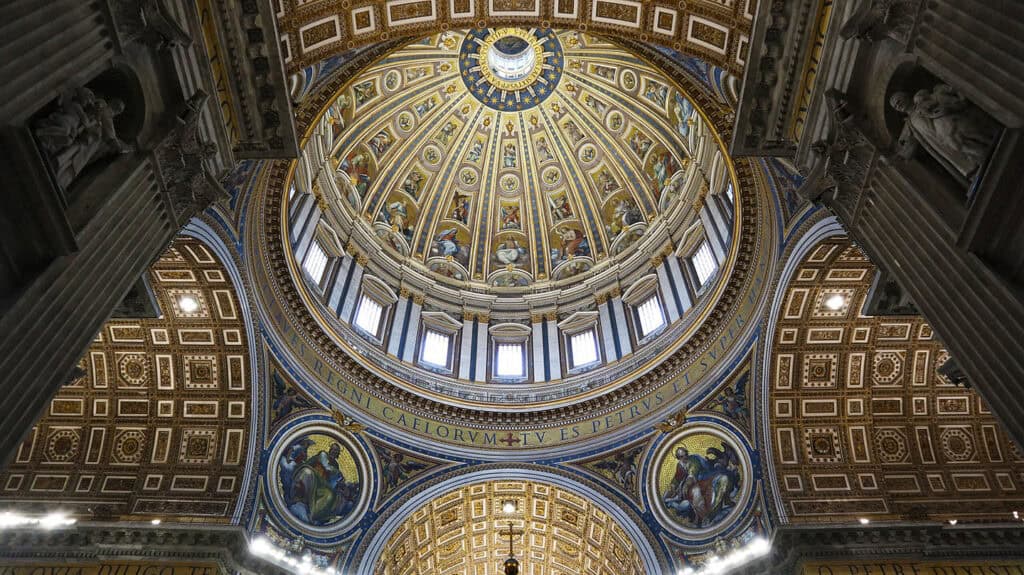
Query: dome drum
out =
(538, 260)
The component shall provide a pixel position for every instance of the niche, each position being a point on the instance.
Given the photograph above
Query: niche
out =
(945, 139)
(85, 129)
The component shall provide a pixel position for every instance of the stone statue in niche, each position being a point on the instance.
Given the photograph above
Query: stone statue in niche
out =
(79, 132)
(952, 130)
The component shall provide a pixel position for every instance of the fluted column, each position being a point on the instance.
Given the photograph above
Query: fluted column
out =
(473, 347)
(673, 285)
(47, 47)
(305, 217)
(349, 297)
(407, 339)
(976, 46)
(340, 282)
(612, 350)
(50, 325)
(976, 313)
(547, 355)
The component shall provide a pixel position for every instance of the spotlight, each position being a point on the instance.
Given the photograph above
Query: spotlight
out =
(155, 522)
(188, 304)
(835, 302)
(508, 506)
(952, 521)
(864, 521)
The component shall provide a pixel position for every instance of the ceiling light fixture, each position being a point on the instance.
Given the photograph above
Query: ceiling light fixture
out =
(262, 547)
(508, 506)
(716, 565)
(952, 521)
(864, 521)
(51, 521)
(155, 522)
(835, 302)
(188, 304)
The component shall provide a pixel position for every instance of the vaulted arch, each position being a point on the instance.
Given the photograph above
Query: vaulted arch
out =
(156, 424)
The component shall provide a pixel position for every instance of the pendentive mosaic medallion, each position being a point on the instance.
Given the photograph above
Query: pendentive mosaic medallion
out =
(319, 479)
(700, 481)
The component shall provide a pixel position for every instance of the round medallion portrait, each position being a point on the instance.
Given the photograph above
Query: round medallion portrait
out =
(319, 479)
(700, 481)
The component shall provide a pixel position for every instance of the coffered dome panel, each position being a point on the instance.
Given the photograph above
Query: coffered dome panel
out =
(511, 158)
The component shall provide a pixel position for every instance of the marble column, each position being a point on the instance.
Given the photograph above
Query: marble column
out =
(347, 300)
(339, 281)
(473, 347)
(609, 337)
(411, 329)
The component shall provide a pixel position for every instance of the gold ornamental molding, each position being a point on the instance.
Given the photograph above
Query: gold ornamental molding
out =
(718, 34)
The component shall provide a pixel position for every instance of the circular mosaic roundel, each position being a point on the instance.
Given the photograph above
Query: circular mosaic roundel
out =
(511, 69)
(319, 479)
(700, 481)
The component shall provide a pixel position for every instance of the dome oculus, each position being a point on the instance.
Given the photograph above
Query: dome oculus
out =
(511, 69)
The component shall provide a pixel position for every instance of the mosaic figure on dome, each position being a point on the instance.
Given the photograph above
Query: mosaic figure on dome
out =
(396, 215)
(363, 92)
(336, 118)
(509, 156)
(543, 151)
(318, 479)
(510, 218)
(657, 93)
(412, 184)
(639, 143)
(413, 74)
(572, 243)
(683, 110)
(604, 72)
(573, 131)
(426, 106)
(447, 132)
(662, 169)
(381, 143)
(606, 183)
(951, 129)
(448, 244)
(703, 485)
(560, 208)
(357, 167)
(509, 252)
(460, 208)
(624, 214)
(587, 154)
(474, 152)
(596, 105)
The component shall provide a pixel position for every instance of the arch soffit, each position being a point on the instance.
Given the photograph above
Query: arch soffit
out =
(374, 542)
(818, 231)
